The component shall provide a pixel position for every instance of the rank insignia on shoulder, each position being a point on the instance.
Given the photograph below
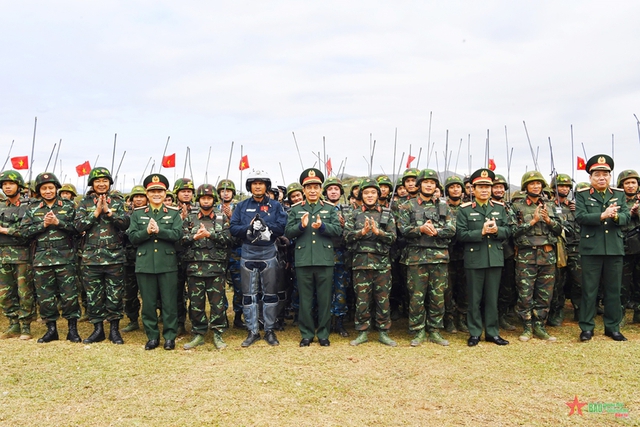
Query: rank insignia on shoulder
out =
(584, 189)
(173, 208)
(141, 207)
(297, 204)
(464, 205)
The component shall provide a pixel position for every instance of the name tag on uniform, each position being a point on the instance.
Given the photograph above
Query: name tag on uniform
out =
(166, 217)
(592, 199)
(250, 210)
(613, 199)
(474, 213)
(324, 212)
(62, 212)
(495, 213)
(144, 217)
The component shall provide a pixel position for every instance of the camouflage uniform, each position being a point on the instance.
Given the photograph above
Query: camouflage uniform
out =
(233, 266)
(455, 298)
(371, 265)
(535, 262)
(426, 258)
(206, 266)
(16, 277)
(631, 261)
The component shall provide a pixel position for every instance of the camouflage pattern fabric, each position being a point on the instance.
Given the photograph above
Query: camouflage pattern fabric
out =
(201, 289)
(105, 286)
(341, 283)
(535, 287)
(57, 284)
(372, 288)
(130, 293)
(17, 293)
(455, 296)
(426, 284)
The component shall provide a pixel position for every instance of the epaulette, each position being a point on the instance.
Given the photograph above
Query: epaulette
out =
(616, 189)
(173, 208)
(584, 189)
(299, 203)
(329, 203)
(464, 205)
(141, 207)
(497, 202)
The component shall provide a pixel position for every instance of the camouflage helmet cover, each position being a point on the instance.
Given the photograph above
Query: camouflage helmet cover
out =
(99, 173)
(627, 174)
(206, 190)
(531, 177)
(499, 179)
(70, 188)
(183, 184)
(294, 186)
(368, 183)
(332, 180)
(427, 174)
(44, 178)
(410, 173)
(12, 176)
(453, 179)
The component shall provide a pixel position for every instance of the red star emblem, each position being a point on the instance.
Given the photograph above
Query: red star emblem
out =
(575, 405)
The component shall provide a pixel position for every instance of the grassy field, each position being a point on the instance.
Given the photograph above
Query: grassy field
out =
(525, 384)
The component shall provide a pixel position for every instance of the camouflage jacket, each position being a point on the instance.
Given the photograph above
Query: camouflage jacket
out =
(421, 248)
(571, 227)
(207, 257)
(635, 220)
(536, 244)
(53, 244)
(14, 248)
(102, 240)
(456, 247)
(371, 251)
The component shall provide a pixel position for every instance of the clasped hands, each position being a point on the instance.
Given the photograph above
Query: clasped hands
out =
(305, 221)
(102, 206)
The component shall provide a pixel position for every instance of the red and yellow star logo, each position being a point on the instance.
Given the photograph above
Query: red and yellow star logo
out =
(575, 405)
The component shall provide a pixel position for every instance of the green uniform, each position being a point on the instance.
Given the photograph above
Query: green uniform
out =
(314, 263)
(157, 266)
(483, 262)
(601, 250)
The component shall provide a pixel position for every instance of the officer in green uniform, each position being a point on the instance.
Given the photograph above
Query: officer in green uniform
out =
(483, 225)
(313, 223)
(154, 230)
(601, 211)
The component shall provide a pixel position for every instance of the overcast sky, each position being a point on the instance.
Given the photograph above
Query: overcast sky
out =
(207, 73)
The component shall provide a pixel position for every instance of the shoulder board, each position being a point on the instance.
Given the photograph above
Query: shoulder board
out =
(616, 189)
(141, 207)
(172, 208)
(464, 205)
(297, 204)
(497, 202)
(584, 189)
(328, 203)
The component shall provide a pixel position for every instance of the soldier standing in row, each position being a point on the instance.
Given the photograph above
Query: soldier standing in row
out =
(103, 220)
(154, 230)
(457, 304)
(370, 231)
(207, 241)
(183, 190)
(51, 224)
(16, 276)
(428, 226)
(628, 182)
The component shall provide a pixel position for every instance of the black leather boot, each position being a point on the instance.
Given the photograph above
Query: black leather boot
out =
(339, 327)
(114, 333)
(51, 334)
(97, 335)
(72, 335)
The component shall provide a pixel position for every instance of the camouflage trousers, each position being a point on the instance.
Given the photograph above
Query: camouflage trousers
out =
(507, 294)
(372, 288)
(57, 283)
(455, 298)
(105, 287)
(233, 277)
(573, 282)
(630, 280)
(182, 292)
(339, 291)
(426, 284)
(130, 295)
(17, 296)
(535, 290)
(202, 289)
(558, 297)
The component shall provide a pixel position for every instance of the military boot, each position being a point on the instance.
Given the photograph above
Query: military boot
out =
(51, 334)
(435, 337)
(72, 334)
(384, 338)
(218, 342)
(114, 333)
(527, 333)
(339, 327)
(504, 323)
(449, 325)
(237, 321)
(25, 331)
(97, 335)
(461, 320)
(636, 315)
(360, 339)
(133, 325)
(421, 336)
(181, 331)
(197, 340)
(556, 319)
(12, 331)
(540, 333)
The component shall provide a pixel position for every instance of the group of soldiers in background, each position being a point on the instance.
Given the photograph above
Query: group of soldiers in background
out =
(419, 247)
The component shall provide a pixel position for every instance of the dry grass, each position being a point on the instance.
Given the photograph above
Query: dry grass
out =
(521, 384)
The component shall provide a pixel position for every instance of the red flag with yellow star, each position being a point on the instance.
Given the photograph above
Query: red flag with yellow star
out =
(83, 169)
(21, 162)
(169, 161)
(244, 162)
(582, 165)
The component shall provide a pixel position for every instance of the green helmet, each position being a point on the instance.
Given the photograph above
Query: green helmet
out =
(226, 184)
(356, 184)
(172, 195)
(137, 190)
(384, 180)
(368, 183)
(531, 177)
(499, 179)
(46, 177)
(560, 179)
(518, 195)
(453, 179)
(70, 188)
(427, 174)
(332, 180)
(410, 173)
(294, 186)
(183, 184)
(99, 173)
(12, 176)
(206, 190)
(626, 174)
(582, 185)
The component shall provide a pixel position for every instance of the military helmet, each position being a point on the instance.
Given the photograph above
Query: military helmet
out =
(332, 180)
(294, 186)
(170, 194)
(427, 174)
(582, 185)
(499, 179)
(518, 195)
(626, 174)
(368, 183)
(560, 179)
(12, 176)
(183, 184)
(206, 190)
(257, 175)
(531, 177)
(99, 173)
(453, 179)
(226, 184)
(384, 180)
(410, 173)
(46, 177)
(70, 188)
(137, 190)
(356, 184)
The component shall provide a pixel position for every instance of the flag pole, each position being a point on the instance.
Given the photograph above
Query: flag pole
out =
(242, 155)
(113, 155)
(8, 155)
(55, 162)
(33, 145)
